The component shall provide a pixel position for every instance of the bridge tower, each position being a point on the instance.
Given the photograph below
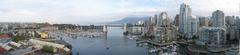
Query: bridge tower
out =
(105, 28)
(125, 29)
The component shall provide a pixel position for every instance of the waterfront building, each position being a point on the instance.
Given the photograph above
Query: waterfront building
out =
(203, 21)
(203, 36)
(217, 37)
(214, 37)
(218, 19)
(184, 15)
(137, 30)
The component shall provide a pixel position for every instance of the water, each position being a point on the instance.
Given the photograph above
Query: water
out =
(113, 44)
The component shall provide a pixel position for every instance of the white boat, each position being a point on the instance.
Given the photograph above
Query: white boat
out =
(153, 50)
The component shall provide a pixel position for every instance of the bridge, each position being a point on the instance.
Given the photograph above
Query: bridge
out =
(115, 25)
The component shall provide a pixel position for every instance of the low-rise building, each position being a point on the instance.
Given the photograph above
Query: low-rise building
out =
(44, 35)
(5, 46)
(233, 51)
(44, 43)
(15, 44)
(4, 38)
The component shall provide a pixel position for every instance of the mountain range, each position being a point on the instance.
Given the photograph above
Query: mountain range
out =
(131, 19)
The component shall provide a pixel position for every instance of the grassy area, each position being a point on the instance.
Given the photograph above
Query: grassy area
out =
(1, 33)
(168, 38)
(48, 49)
(19, 38)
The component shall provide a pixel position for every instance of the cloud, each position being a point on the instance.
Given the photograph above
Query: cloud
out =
(206, 7)
(95, 11)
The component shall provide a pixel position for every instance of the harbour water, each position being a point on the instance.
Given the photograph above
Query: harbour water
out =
(114, 43)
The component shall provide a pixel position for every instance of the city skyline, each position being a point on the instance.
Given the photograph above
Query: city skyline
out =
(84, 12)
(120, 27)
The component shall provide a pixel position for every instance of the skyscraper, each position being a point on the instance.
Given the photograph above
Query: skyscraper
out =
(159, 20)
(153, 20)
(231, 27)
(203, 21)
(238, 27)
(192, 25)
(176, 20)
(164, 19)
(218, 19)
(184, 15)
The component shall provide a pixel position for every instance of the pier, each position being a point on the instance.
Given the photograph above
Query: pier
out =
(156, 43)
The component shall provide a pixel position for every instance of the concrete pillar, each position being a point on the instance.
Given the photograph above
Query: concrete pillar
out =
(125, 28)
(105, 28)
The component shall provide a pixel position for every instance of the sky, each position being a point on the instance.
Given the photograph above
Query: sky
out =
(100, 11)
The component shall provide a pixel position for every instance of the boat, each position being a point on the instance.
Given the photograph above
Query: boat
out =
(153, 51)
(107, 47)
(125, 33)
